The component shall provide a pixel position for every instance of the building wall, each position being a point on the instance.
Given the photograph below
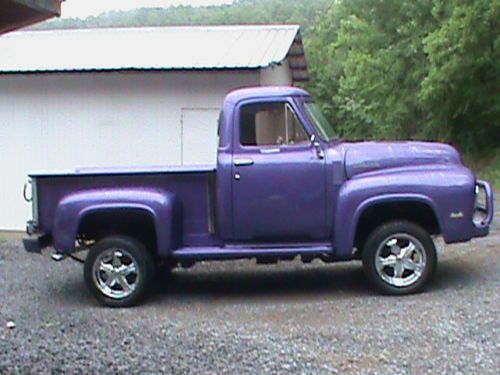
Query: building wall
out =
(276, 75)
(63, 121)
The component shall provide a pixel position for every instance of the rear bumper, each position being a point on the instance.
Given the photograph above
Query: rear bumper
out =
(35, 243)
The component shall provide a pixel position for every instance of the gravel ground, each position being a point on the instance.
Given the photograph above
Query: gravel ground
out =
(234, 317)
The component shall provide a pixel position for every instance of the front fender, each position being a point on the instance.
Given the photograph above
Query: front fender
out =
(444, 190)
(162, 206)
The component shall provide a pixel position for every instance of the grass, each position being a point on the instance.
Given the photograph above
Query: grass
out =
(486, 167)
(10, 235)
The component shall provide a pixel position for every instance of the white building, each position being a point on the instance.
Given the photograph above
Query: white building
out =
(118, 97)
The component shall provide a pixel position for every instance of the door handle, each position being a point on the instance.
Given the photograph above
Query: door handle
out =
(242, 162)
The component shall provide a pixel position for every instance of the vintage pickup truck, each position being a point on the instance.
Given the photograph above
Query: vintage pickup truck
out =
(284, 187)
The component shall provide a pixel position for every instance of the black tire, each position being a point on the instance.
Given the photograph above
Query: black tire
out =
(375, 245)
(128, 249)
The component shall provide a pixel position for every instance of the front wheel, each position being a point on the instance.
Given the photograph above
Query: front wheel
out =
(118, 271)
(399, 258)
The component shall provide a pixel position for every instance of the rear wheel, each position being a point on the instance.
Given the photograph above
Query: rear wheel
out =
(399, 258)
(118, 271)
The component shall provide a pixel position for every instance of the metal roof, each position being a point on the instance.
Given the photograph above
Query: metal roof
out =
(154, 48)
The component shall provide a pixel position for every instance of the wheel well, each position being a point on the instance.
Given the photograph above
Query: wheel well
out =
(378, 214)
(137, 224)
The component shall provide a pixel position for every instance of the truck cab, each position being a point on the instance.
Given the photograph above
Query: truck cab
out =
(274, 166)
(285, 186)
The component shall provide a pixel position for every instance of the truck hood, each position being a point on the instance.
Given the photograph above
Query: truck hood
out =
(365, 157)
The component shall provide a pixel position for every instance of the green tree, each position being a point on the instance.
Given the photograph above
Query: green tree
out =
(461, 90)
(410, 69)
(303, 12)
(375, 56)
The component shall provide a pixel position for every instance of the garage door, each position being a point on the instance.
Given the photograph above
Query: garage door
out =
(199, 135)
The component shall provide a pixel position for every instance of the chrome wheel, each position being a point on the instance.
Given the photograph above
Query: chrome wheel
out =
(400, 260)
(115, 273)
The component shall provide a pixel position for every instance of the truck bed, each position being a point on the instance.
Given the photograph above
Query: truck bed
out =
(193, 185)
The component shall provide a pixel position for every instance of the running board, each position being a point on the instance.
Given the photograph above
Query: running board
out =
(214, 253)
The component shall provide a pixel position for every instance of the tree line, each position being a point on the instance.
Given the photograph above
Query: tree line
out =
(381, 69)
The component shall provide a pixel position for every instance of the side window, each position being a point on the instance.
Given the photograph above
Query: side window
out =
(270, 124)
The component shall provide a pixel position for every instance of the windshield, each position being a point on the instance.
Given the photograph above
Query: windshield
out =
(325, 129)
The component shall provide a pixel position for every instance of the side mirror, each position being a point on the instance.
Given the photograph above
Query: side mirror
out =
(317, 146)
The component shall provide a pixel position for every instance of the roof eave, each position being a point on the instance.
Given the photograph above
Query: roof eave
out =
(297, 60)
(16, 14)
(48, 7)
(128, 70)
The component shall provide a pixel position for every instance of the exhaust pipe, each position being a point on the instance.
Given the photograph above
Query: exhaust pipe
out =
(57, 257)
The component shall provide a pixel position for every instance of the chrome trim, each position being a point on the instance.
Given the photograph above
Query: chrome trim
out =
(287, 136)
(34, 200)
(319, 150)
(400, 260)
(457, 215)
(483, 205)
(211, 205)
(270, 150)
(115, 273)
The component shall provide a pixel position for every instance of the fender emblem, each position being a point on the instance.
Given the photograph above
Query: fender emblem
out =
(457, 215)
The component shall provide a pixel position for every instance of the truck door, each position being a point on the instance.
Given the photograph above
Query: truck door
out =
(278, 180)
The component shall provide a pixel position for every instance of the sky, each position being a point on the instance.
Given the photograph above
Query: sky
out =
(85, 8)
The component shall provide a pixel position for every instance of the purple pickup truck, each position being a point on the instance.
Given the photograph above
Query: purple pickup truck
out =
(284, 187)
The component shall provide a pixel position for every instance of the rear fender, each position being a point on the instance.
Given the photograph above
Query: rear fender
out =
(162, 206)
